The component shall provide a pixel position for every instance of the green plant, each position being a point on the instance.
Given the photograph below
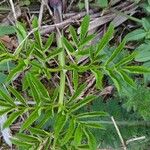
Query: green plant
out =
(39, 103)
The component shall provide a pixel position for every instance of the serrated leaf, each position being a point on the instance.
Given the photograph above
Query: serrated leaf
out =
(78, 135)
(13, 116)
(39, 54)
(77, 93)
(84, 27)
(17, 95)
(47, 116)
(41, 88)
(82, 103)
(6, 110)
(91, 140)
(2, 47)
(105, 39)
(126, 78)
(136, 69)
(54, 53)
(4, 104)
(49, 42)
(37, 35)
(114, 79)
(92, 124)
(24, 144)
(59, 124)
(5, 57)
(21, 32)
(73, 35)
(32, 117)
(69, 132)
(99, 78)
(7, 98)
(68, 45)
(37, 131)
(116, 52)
(30, 50)
(86, 40)
(35, 92)
(75, 79)
(19, 68)
(27, 138)
(92, 114)
(126, 60)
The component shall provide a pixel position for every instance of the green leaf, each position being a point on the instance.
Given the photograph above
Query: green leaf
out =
(82, 103)
(78, 135)
(136, 35)
(37, 35)
(92, 114)
(83, 147)
(91, 139)
(24, 144)
(146, 24)
(41, 88)
(30, 50)
(69, 132)
(54, 53)
(5, 57)
(116, 52)
(2, 47)
(39, 54)
(136, 69)
(68, 45)
(84, 27)
(32, 117)
(49, 42)
(105, 39)
(7, 98)
(103, 3)
(59, 124)
(17, 95)
(6, 30)
(5, 110)
(4, 104)
(86, 40)
(37, 131)
(27, 138)
(114, 79)
(2, 77)
(77, 93)
(13, 116)
(21, 32)
(127, 79)
(92, 124)
(35, 92)
(19, 68)
(99, 78)
(75, 79)
(47, 116)
(126, 60)
(143, 52)
(73, 35)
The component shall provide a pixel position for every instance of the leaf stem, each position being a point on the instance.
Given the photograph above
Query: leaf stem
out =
(62, 74)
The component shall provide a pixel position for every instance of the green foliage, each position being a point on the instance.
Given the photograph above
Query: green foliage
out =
(67, 128)
(103, 3)
(5, 30)
(142, 36)
(138, 100)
